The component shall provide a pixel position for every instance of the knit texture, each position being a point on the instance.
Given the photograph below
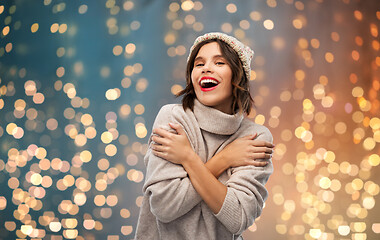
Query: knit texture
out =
(244, 52)
(171, 207)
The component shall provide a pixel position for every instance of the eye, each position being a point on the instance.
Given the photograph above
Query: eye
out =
(198, 64)
(220, 63)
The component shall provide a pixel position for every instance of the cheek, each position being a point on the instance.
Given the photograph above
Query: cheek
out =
(193, 81)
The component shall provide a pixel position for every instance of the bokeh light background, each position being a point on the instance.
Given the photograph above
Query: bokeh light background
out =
(82, 81)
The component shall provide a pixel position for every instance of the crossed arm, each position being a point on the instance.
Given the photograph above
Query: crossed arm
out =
(203, 176)
(173, 192)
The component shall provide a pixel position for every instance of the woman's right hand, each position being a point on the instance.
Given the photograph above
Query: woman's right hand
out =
(246, 151)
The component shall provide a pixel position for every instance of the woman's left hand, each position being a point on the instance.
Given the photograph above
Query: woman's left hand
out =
(173, 147)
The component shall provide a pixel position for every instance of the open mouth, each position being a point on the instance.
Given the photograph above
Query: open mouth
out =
(208, 84)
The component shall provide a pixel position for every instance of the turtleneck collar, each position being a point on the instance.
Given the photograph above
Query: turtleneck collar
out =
(215, 121)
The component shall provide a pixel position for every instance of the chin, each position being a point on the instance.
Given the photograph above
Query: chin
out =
(207, 102)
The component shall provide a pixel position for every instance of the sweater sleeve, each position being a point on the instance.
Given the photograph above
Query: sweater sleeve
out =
(167, 185)
(246, 194)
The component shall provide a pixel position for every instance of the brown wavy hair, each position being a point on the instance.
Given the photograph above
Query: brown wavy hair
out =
(242, 100)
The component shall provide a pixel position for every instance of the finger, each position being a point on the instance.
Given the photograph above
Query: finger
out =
(259, 164)
(250, 137)
(263, 150)
(162, 132)
(178, 128)
(159, 148)
(159, 154)
(269, 150)
(260, 143)
(261, 156)
(159, 140)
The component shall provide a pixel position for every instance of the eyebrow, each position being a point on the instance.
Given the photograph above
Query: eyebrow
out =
(216, 56)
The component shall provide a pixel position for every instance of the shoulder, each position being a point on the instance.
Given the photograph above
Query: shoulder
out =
(170, 110)
(170, 113)
(250, 127)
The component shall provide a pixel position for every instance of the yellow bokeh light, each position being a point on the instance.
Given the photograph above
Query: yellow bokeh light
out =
(8, 47)
(99, 200)
(374, 123)
(268, 24)
(325, 182)
(357, 92)
(329, 156)
(86, 119)
(340, 127)
(69, 223)
(89, 224)
(374, 160)
(34, 27)
(3, 203)
(327, 102)
(299, 132)
(55, 226)
(297, 23)
(62, 28)
(231, 8)
(329, 57)
(125, 213)
(344, 230)
(281, 229)
(110, 150)
(141, 85)
(70, 233)
(141, 130)
(315, 233)
(260, 119)
(126, 230)
(139, 109)
(86, 156)
(187, 5)
(10, 128)
(307, 104)
(26, 229)
(369, 202)
(174, 7)
(68, 180)
(6, 30)
(170, 39)
(82, 9)
(36, 179)
(176, 88)
(358, 226)
(107, 137)
(113, 94)
(125, 110)
(357, 184)
(130, 48)
(369, 144)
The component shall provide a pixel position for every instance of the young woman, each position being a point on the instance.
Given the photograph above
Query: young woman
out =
(207, 164)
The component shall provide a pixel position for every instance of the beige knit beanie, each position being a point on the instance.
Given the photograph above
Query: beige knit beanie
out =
(244, 52)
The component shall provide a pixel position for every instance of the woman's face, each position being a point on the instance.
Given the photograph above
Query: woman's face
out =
(211, 78)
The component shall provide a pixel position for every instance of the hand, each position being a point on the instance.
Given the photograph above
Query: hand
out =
(246, 151)
(172, 147)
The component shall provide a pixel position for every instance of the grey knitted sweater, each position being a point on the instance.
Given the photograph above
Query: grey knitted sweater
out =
(172, 209)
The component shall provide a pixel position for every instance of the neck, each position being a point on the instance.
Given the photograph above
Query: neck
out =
(215, 121)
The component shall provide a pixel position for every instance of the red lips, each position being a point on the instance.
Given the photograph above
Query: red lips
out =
(211, 81)
(203, 78)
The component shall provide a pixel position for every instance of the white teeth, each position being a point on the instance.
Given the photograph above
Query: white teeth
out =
(209, 81)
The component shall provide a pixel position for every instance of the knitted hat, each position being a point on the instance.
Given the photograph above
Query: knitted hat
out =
(244, 52)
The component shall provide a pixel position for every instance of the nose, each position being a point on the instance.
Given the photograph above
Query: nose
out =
(206, 68)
